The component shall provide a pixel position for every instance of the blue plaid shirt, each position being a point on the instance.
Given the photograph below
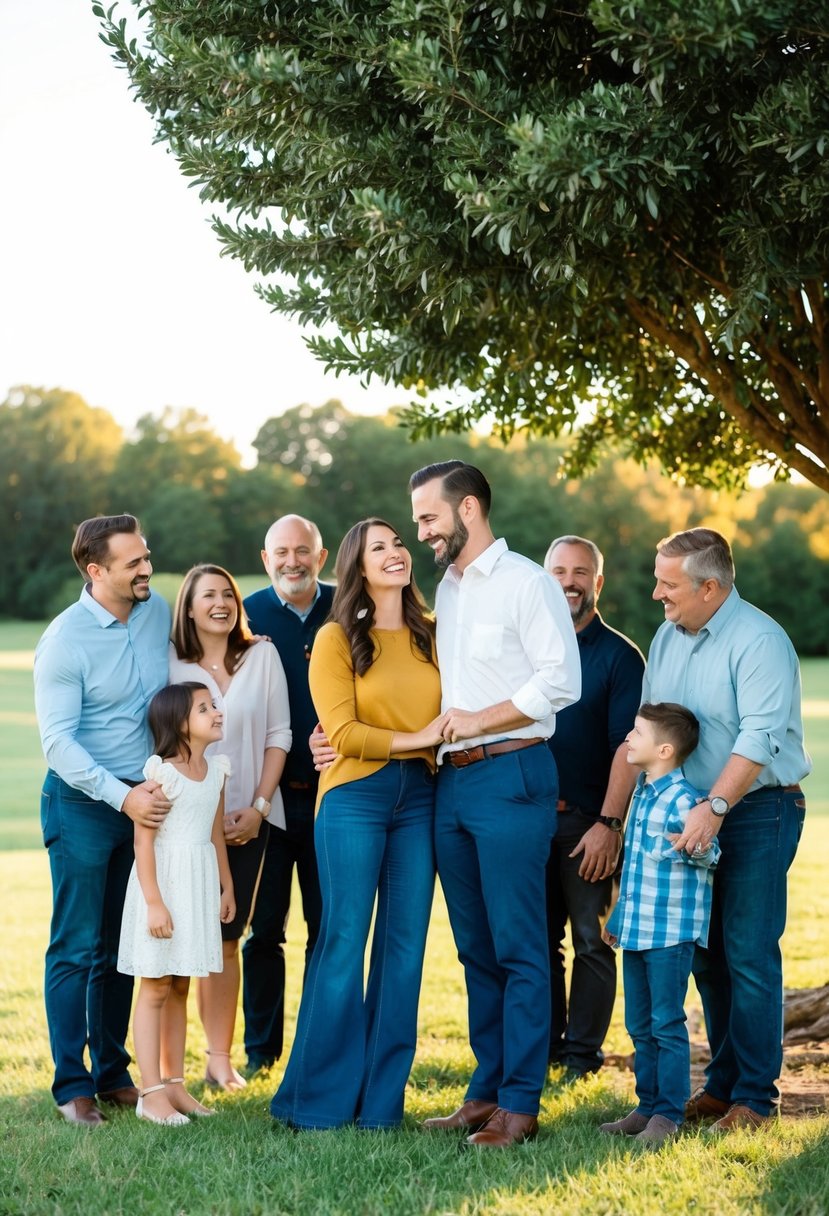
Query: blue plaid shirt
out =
(665, 896)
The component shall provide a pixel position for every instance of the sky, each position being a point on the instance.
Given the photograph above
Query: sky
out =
(111, 280)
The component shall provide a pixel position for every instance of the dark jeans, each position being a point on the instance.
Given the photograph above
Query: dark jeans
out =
(493, 824)
(354, 1044)
(577, 1032)
(263, 982)
(740, 974)
(87, 999)
(656, 982)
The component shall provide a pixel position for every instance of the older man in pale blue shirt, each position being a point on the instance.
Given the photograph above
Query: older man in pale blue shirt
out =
(96, 668)
(736, 670)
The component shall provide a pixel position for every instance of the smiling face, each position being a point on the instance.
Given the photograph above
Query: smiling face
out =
(386, 562)
(293, 557)
(643, 749)
(573, 567)
(439, 524)
(123, 579)
(213, 606)
(204, 722)
(685, 604)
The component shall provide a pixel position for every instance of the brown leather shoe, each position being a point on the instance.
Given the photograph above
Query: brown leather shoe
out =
(702, 1105)
(738, 1117)
(504, 1129)
(127, 1095)
(83, 1111)
(469, 1117)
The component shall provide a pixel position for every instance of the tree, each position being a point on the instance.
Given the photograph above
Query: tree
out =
(609, 216)
(56, 453)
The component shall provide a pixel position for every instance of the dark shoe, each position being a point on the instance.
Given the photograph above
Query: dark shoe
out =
(505, 1129)
(472, 1115)
(127, 1095)
(632, 1124)
(83, 1111)
(738, 1118)
(703, 1105)
(659, 1130)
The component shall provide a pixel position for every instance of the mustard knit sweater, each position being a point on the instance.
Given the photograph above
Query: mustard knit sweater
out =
(399, 692)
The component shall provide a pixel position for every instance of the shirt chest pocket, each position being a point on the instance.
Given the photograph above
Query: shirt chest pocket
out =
(486, 641)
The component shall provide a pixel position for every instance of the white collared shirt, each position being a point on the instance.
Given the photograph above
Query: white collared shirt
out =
(504, 633)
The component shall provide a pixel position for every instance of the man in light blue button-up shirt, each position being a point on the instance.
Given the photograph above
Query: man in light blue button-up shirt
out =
(96, 668)
(736, 670)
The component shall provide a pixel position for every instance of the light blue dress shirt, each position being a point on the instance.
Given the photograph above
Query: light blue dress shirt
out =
(740, 676)
(94, 678)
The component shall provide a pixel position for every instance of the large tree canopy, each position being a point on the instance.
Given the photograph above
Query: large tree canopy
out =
(613, 214)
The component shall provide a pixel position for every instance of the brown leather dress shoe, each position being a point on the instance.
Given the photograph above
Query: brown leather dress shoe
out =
(473, 1114)
(505, 1129)
(702, 1105)
(83, 1111)
(127, 1095)
(738, 1118)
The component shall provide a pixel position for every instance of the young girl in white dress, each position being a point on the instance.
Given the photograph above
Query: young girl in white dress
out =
(180, 881)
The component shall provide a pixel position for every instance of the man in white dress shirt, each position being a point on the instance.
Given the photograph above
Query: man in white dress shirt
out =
(509, 661)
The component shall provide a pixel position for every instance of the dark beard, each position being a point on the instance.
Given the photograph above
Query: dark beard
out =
(588, 603)
(453, 543)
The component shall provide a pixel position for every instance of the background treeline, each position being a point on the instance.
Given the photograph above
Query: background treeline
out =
(62, 461)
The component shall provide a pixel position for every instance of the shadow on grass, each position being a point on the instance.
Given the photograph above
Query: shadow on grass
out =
(799, 1186)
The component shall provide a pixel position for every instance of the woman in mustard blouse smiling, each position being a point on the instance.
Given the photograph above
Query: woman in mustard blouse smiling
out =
(376, 688)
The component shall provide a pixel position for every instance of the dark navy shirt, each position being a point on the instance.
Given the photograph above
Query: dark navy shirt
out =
(293, 639)
(588, 733)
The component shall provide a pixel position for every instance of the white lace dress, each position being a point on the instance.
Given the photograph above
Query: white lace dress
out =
(188, 879)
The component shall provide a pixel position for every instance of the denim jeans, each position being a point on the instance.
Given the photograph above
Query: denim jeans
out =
(578, 1027)
(263, 977)
(494, 821)
(656, 982)
(740, 974)
(353, 1051)
(87, 999)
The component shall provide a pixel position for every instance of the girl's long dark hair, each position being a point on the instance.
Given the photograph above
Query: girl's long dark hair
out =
(167, 716)
(186, 639)
(351, 598)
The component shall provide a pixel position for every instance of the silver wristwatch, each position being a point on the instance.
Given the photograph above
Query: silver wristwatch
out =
(262, 805)
(719, 806)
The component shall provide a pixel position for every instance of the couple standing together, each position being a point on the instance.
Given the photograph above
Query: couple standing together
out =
(508, 658)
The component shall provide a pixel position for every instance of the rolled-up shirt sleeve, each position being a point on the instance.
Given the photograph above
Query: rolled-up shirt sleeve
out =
(58, 685)
(549, 640)
(764, 679)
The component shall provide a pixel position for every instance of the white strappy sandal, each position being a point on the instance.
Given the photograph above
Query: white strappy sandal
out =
(176, 1119)
(199, 1111)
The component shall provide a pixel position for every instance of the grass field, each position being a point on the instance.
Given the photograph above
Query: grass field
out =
(241, 1163)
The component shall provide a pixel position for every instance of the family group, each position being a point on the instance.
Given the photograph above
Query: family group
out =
(348, 733)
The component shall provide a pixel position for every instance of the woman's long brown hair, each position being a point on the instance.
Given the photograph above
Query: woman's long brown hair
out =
(351, 599)
(186, 639)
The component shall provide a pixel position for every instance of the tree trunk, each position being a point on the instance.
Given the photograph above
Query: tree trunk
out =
(806, 1014)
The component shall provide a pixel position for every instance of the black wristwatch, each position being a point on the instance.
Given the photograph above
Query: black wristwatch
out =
(610, 821)
(719, 806)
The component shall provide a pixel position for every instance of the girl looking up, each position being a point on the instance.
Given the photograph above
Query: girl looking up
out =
(180, 881)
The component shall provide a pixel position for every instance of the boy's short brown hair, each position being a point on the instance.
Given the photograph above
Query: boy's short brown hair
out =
(675, 724)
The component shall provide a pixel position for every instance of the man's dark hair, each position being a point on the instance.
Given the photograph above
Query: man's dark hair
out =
(673, 724)
(91, 543)
(460, 481)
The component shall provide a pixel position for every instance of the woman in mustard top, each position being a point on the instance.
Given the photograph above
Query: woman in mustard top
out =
(376, 689)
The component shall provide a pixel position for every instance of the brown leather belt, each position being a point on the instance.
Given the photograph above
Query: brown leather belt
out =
(485, 751)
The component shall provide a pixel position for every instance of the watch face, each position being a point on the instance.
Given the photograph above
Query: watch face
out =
(610, 821)
(719, 806)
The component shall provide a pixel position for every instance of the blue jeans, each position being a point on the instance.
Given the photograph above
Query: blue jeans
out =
(578, 1027)
(263, 983)
(494, 821)
(353, 1052)
(87, 999)
(740, 974)
(656, 982)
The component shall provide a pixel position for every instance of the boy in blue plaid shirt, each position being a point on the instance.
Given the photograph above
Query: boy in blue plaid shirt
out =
(664, 908)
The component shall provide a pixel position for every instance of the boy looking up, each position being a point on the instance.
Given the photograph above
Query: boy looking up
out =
(664, 908)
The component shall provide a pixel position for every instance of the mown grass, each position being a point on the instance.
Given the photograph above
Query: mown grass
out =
(241, 1163)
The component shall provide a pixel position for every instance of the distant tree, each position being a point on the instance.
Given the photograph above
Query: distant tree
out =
(56, 453)
(175, 447)
(183, 525)
(611, 211)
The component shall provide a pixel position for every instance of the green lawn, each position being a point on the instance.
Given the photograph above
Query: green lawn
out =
(242, 1164)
